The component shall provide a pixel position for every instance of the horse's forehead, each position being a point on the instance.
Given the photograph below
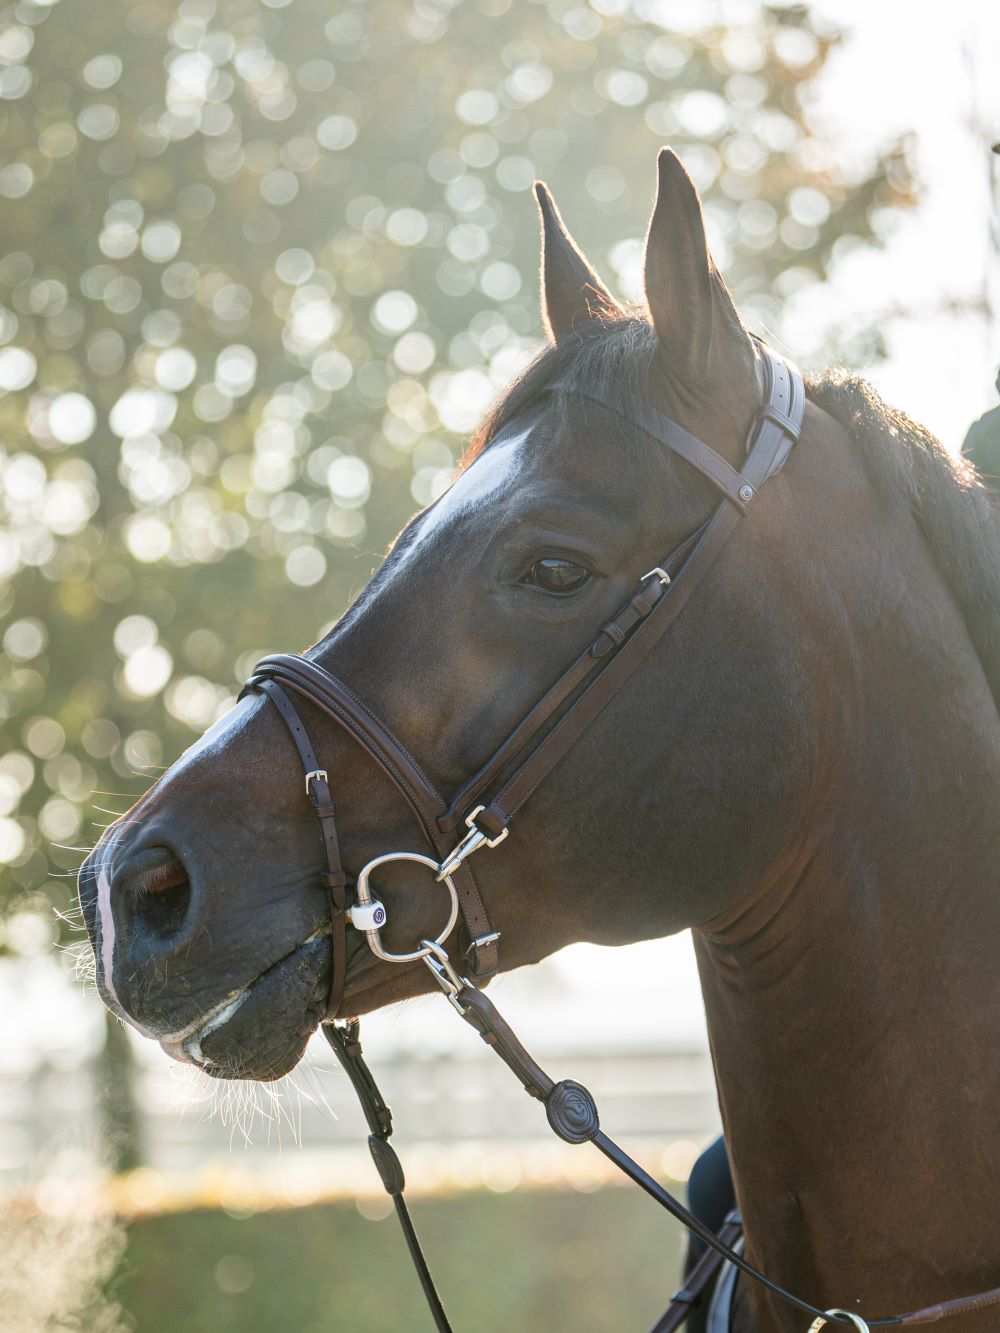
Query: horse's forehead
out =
(547, 445)
(536, 457)
(495, 473)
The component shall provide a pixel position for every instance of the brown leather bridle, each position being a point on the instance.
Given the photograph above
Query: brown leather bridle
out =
(488, 802)
(491, 798)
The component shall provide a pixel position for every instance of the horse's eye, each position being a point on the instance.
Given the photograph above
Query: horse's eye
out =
(558, 576)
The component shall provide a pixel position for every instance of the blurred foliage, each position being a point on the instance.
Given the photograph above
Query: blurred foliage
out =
(603, 1262)
(264, 264)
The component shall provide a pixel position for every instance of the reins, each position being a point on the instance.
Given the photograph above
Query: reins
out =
(483, 810)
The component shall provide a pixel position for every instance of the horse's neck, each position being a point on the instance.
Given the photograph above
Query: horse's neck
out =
(854, 1009)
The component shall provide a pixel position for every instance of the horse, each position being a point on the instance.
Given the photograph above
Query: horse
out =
(804, 771)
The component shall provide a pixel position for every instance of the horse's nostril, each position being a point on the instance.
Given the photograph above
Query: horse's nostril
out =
(161, 896)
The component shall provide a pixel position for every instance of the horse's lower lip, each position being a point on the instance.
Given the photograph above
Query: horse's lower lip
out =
(187, 1048)
(175, 1049)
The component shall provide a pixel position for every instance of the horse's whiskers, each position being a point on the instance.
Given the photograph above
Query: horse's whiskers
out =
(83, 963)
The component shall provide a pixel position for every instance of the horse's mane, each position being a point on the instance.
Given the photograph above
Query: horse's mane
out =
(957, 515)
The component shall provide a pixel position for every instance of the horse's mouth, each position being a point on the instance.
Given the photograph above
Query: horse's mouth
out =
(261, 1031)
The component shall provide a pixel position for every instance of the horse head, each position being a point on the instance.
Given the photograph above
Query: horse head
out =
(203, 902)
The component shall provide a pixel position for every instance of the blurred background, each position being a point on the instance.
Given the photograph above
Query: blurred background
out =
(263, 264)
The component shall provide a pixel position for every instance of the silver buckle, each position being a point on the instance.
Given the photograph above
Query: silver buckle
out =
(316, 773)
(473, 840)
(657, 573)
(482, 940)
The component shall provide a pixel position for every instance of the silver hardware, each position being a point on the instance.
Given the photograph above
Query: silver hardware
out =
(316, 773)
(443, 971)
(473, 840)
(657, 573)
(746, 494)
(365, 899)
(481, 940)
(819, 1322)
(367, 916)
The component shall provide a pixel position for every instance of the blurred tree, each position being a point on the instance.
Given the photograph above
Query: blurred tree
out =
(264, 264)
(121, 1128)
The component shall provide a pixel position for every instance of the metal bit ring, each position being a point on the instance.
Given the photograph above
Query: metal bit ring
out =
(365, 899)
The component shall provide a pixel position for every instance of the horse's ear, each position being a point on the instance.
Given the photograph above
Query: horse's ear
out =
(694, 316)
(571, 290)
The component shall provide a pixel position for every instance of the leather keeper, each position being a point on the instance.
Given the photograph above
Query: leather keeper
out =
(769, 413)
(641, 605)
(477, 973)
(491, 821)
(616, 631)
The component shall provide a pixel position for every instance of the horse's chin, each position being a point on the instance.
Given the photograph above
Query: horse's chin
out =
(261, 1032)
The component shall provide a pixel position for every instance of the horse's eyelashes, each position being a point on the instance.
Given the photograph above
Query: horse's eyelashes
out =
(556, 575)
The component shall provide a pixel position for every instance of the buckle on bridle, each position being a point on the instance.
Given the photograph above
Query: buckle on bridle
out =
(316, 773)
(481, 941)
(473, 840)
(657, 573)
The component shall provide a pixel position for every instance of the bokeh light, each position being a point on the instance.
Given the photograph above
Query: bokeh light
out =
(255, 290)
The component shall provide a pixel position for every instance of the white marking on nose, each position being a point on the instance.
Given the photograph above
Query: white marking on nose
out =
(107, 929)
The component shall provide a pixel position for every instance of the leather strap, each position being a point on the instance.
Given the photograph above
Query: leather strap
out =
(333, 878)
(345, 1042)
(945, 1309)
(575, 721)
(550, 703)
(702, 1275)
(565, 687)
(666, 431)
(339, 702)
